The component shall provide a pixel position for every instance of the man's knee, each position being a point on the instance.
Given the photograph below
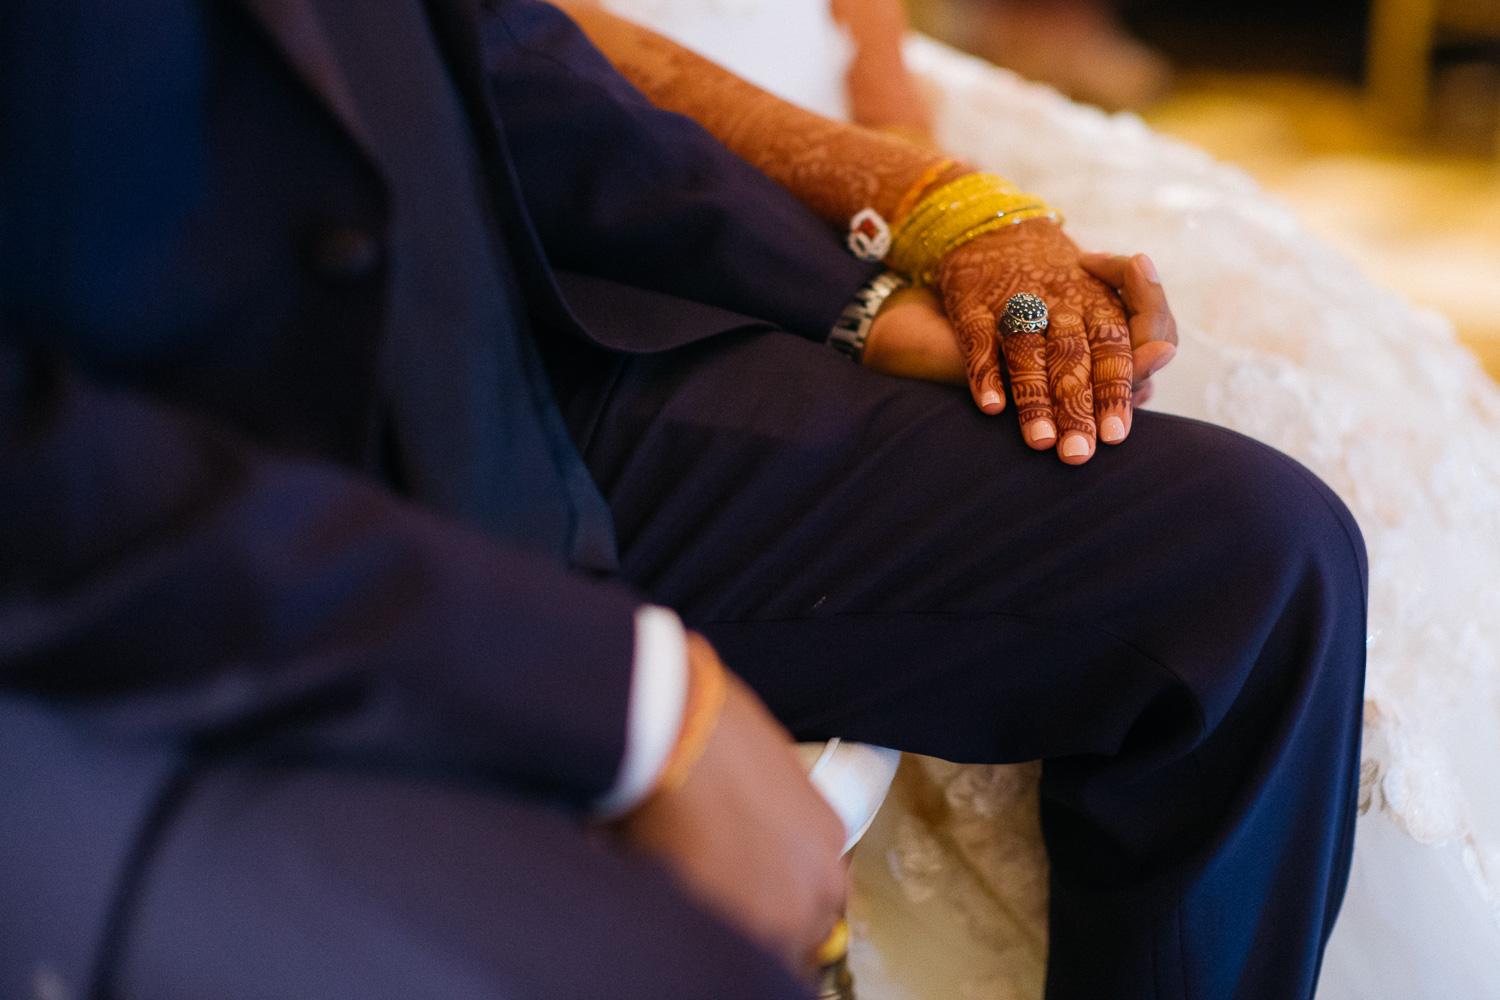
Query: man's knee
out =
(1288, 559)
(1256, 507)
(1298, 518)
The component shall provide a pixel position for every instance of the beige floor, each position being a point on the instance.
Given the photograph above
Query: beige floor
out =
(1422, 222)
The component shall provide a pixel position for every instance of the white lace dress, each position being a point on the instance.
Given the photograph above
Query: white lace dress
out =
(1284, 340)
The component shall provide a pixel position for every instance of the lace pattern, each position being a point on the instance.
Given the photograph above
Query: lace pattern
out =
(1285, 340)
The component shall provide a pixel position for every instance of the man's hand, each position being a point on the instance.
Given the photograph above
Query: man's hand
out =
(1084, 376)
(748, 834)
(1153, 330)
(911, 337)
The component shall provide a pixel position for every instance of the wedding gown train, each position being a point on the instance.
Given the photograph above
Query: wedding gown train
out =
(1286, 341)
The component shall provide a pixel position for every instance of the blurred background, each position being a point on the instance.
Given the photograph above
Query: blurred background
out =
(1378, 120)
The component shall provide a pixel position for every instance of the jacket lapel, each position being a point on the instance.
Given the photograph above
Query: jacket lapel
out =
(295, 27)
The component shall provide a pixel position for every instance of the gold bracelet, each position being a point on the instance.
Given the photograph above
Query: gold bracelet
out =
(926, 238)
(945, 214)
(954, 194)
(951, 215)
(1001, 220)
(954, 214)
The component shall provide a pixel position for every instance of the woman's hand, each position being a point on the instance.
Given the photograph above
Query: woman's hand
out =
(1068, 384)
(913, 337)
(1072, 385)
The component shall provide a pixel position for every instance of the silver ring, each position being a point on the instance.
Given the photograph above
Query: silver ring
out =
(1024, 313)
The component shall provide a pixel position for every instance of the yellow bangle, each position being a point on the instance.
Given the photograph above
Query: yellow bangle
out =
(1035, 210)
(954, 214)
(915, 248)
(953, 195)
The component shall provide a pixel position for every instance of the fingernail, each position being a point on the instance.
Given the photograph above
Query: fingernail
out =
(1161, 362)
(1112, 429)
(1075, 445)
(989, 399)
(1039, 430)
(1148, 269)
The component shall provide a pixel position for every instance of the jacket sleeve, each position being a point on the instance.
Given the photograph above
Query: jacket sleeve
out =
(619, 189)
(178, 584)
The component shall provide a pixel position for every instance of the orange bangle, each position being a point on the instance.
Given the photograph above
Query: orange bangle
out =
(707, 689)
(914, 194)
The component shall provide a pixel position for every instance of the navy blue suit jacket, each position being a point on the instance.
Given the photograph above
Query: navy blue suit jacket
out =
(195, 552)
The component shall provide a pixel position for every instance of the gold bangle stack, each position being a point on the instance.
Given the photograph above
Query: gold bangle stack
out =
(953, 215)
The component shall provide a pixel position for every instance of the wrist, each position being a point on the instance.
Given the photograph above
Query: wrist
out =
(939, 174)
(954, 214)
(870, 228)
(851, 331)
(936, 216)
(911, 337)
(659, 686)
(708, 685)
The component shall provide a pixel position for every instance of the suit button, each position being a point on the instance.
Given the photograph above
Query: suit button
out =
(345, 253)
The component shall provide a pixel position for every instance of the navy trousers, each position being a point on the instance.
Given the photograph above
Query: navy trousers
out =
(1177, 628)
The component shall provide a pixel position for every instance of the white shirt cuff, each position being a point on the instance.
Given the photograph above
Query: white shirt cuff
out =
(658, 697)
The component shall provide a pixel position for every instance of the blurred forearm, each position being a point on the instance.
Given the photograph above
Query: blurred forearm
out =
(834, 168)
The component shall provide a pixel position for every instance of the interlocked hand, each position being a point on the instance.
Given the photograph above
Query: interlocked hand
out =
(1074, 384)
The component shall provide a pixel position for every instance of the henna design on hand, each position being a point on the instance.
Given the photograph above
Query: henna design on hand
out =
(1113, 374)
(1069, 374)
(1080, 374)
(1025, 356)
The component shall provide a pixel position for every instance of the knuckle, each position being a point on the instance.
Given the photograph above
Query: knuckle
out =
(1067, 321)
(1113, 368)
(1110, 338)
(1102, 310)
